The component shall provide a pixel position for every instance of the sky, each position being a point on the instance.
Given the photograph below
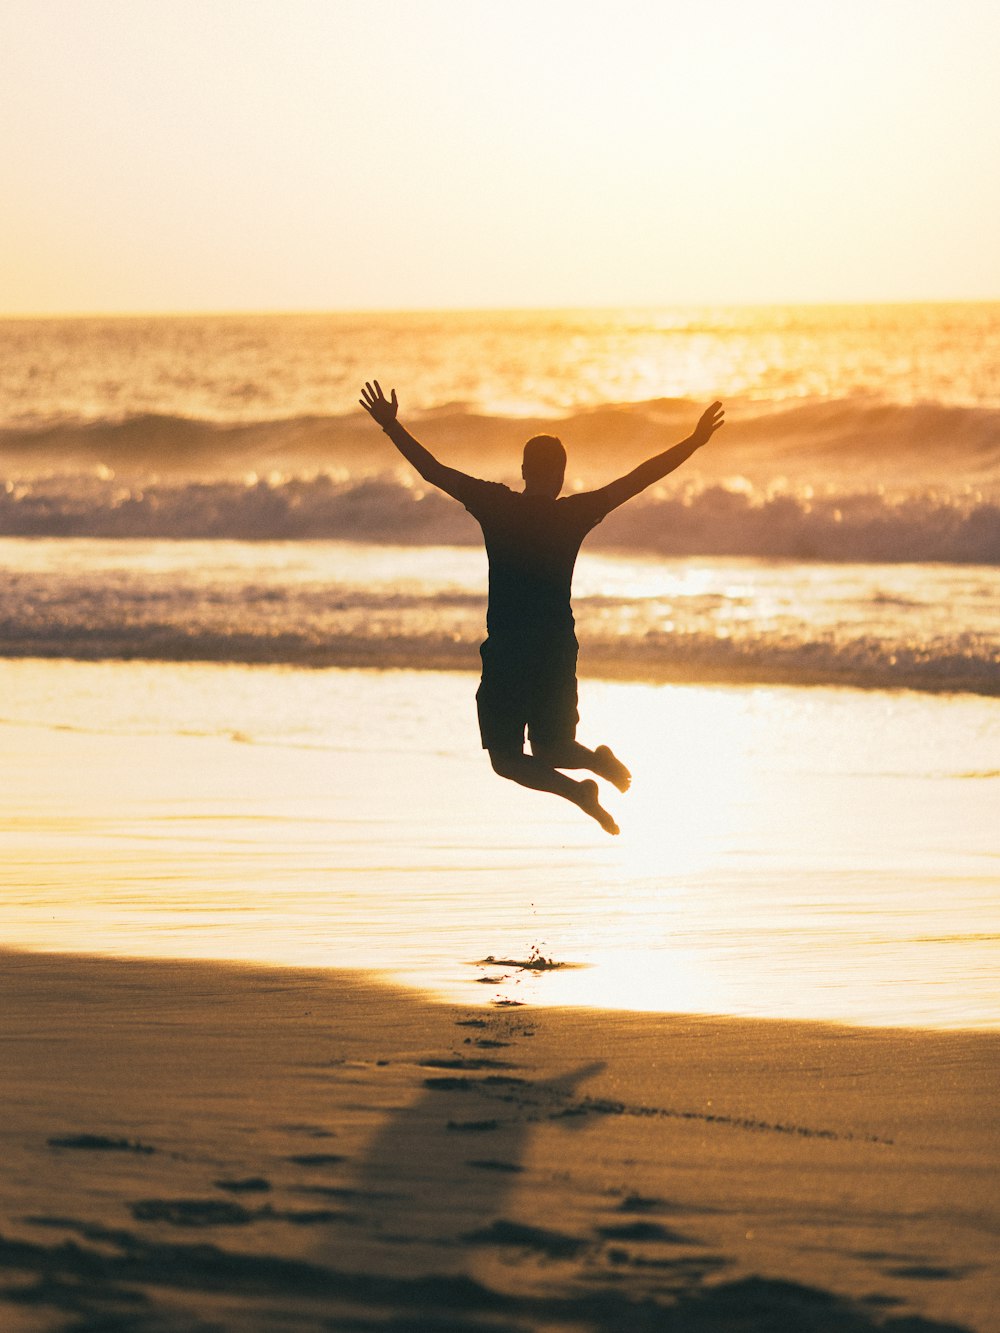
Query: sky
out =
(223, 155)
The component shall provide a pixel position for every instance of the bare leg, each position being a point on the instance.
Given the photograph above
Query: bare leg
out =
(571, 754)
(529, 771)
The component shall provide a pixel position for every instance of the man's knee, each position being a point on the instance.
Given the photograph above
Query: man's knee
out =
(554, 754)
(504, 762)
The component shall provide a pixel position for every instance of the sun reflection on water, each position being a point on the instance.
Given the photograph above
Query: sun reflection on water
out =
(820, 854)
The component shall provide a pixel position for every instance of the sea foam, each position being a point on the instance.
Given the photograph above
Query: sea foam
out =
(869, 524)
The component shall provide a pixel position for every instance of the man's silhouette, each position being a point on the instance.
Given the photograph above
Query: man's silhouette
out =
(529, 657)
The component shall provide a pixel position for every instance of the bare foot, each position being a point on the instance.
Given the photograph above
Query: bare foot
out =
(590, 805)
(612, 768)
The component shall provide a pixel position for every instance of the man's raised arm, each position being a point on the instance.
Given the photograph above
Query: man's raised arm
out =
(383, 411)
(656, 468)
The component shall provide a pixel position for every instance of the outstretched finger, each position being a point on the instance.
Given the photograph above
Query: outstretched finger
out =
(378, 390)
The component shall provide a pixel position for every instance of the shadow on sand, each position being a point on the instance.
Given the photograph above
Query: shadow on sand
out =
(464, 1210)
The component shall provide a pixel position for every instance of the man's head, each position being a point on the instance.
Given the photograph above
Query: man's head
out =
(544, 466)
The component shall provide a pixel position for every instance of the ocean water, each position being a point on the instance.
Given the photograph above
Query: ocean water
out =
(843, 527)
(237, 638)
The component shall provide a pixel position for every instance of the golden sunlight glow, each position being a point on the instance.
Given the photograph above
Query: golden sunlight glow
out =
(304, 155)
(688, 770)
(384, 841)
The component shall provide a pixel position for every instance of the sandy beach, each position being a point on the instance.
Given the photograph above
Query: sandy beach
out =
(193, 1146)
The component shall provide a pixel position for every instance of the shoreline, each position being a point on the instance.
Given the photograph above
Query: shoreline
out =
(501, 996)
(255, 1146)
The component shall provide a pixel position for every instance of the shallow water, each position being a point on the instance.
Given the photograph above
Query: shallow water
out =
(928, 626)
(816, 853)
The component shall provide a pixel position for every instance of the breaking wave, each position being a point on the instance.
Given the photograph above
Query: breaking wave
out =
(968, 663)
(141, 614)
(817, 437)
(699, 518)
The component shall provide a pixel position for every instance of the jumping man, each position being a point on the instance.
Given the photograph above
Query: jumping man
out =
(529, 658)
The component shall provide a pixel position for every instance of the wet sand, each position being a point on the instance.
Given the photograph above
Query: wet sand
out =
(796, 854)
(191, 1145)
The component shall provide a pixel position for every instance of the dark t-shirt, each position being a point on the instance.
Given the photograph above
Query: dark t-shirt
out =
(532, 542)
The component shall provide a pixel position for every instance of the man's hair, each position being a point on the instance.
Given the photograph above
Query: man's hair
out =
(544, 453)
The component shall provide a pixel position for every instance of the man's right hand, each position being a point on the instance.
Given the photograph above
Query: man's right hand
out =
(381, 409)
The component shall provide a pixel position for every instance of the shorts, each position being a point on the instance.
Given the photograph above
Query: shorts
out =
(533, 691)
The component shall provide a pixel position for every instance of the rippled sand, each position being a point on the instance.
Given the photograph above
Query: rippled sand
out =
(191, 1145)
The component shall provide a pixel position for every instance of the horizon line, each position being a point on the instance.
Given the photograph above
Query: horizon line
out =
(318, 311)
